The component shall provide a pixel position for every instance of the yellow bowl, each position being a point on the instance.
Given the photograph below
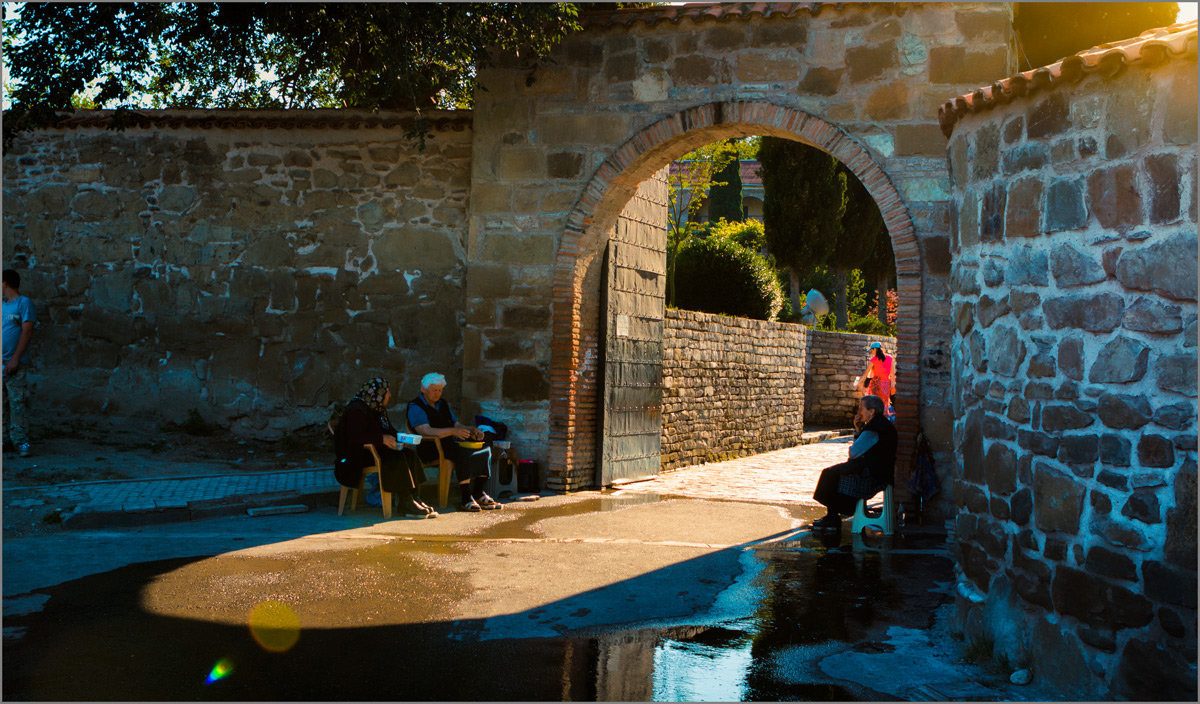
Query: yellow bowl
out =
(470, 444)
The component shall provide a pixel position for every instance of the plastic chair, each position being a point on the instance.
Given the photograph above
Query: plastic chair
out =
(506, 454)
(385, 497)
(885, 521)
(445, 469)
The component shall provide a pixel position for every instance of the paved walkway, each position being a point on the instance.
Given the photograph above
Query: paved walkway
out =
(782, 476)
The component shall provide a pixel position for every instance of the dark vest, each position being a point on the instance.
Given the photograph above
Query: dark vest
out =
(881, 458)
(439, 416)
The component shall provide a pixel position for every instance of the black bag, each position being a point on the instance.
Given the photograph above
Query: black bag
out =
(498, 431)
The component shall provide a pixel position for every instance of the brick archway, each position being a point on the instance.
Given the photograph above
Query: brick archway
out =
(574, 362)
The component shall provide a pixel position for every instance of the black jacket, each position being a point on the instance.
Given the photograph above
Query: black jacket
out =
(358, 426)
(880, 458)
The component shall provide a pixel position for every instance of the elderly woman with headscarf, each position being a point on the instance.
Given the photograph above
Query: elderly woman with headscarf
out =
(365, 422)
(430, 414)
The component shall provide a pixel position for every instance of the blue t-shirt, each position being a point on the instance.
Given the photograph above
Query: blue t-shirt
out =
(418, 415)
(16, 312)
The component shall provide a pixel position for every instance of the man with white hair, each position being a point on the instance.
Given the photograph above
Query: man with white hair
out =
(430, 414)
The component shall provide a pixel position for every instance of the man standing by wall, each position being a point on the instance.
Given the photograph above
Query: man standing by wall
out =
(18, 331)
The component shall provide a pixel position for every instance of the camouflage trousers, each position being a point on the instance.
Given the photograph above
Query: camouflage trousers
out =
(16, 397)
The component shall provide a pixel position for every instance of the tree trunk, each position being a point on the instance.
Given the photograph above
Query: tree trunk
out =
(882, 287)
(794, 280)
(842, 277)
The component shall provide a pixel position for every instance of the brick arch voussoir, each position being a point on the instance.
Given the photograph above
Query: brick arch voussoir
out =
(615, 181)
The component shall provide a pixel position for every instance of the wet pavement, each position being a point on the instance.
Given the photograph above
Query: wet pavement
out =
(703, 584)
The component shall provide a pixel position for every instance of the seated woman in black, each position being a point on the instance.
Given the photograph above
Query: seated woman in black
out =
(365, 422)
(870, 469)
(429, 414)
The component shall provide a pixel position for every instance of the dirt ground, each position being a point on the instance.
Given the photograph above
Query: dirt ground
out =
(105, 453)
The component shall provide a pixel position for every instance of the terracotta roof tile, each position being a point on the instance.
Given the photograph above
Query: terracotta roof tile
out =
(1150, 48)
(326, 118)
(696, 11)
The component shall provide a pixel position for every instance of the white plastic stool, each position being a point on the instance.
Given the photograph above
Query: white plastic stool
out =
(886, 521)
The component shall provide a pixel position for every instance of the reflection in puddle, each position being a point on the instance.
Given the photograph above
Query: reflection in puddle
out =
(696, 672)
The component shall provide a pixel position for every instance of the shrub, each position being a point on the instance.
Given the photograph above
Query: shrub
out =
(717, 275)
(868, 325)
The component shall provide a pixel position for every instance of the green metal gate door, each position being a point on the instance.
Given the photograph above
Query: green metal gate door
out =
(632, 366)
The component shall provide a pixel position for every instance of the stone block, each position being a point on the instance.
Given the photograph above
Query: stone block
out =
(1151, 315)
(1058, 500)
(1059, 417)
(1121, 361)
(1065, 209)
(699, 70)
(1049, 117)
(820, 81)
(890, 101)
(1006, 350)
(1096, 313)
(1179, 120)
(1155, 451)
(566, 165)
(1163, 188)
(915, 140)
(1167, 267)
(1000, 467)
(523, 383)
(1026, 266)
(1098, 602)
(991, 214)
(985, 152)
(1123, 411)
(1023, 208)
(1101, 504)
(1031, 156)
(1115, 450)
(1130, 110)
(1177, 373)
(956, 65)
(1072, 267)
(1079, 450)
(1176, 416)
(1114, 197)
(1180, 547)
(1148, 671)
(1109, 563)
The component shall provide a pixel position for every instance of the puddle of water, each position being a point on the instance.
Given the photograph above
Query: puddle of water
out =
(793, 604)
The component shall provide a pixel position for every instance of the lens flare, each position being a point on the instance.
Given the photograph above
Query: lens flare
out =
(220, 670)
(275, 626)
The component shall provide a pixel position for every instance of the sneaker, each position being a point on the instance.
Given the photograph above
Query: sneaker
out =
(488, 503)
(24, 449)
(830, 521)
(472, 506)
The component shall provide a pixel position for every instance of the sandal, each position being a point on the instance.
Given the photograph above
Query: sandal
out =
(489, 503)
(471, 506)
(416, 508)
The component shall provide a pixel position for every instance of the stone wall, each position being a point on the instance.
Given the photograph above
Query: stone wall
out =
(254, 266)
(835, 359)
(731, 387)
(1074, 300)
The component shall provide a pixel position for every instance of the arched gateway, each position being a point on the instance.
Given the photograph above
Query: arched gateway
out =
(560, 147)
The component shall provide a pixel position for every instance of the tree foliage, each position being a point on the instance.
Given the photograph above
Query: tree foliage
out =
(688, 184)
(1049, 31)
(725, 197)
(265, 55)
(718, 275)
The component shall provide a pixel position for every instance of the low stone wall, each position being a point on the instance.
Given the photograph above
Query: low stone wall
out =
(1074, 297)
(835, 359)
(731, 387)
(254, 266)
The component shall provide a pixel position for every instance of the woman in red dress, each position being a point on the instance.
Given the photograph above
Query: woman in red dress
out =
(880, 377)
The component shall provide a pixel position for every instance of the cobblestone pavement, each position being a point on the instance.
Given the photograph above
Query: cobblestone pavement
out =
(781, 476)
